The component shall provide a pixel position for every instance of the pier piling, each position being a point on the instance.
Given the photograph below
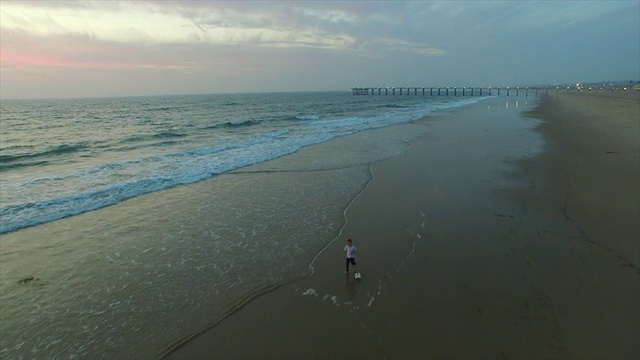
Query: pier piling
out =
(490, 91)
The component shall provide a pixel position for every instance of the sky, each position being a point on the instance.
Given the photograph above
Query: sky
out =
(51, 49)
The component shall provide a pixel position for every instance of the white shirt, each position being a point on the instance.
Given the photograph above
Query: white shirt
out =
(351, 251)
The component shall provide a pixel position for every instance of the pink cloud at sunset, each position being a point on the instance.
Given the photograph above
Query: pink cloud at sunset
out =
(19, 60)
(238, 46)
(22, 60)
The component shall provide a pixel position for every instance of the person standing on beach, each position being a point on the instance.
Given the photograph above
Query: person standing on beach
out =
(350, 254)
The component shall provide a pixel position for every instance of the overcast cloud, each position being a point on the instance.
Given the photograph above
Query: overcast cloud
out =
(109, 48)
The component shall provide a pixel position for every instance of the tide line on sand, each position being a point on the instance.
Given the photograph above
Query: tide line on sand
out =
(344, 214)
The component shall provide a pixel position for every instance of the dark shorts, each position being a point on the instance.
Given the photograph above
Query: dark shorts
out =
(350, 260)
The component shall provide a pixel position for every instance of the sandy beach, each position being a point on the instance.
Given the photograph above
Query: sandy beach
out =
(506, 231)
(183, 180)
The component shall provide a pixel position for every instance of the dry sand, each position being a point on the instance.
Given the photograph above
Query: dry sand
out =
(471, 248)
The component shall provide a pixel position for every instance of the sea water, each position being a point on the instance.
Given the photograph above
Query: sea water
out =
(110, 287)
(61, 158)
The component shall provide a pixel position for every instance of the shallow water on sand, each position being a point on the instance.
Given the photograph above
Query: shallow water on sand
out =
(128, 280)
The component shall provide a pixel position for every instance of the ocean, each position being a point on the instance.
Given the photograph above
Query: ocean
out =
(60, 158)
(129, 280)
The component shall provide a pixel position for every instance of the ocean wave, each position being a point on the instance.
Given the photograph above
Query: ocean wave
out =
(56, 150)
(35, 213)
(168, 134)
(187, 167)
(232, 124)
(159, 135)
(142, 145)
(394, 106)
(164, 108)
(8, 167)
(238, 124)
(306, 117)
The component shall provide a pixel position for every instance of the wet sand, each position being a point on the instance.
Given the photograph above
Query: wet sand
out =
(495, 236)
(471, 247)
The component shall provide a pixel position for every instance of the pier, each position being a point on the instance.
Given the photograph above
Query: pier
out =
(461, 91)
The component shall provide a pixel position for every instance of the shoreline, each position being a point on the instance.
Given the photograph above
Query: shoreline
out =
(487, 265)
(468, 246)
(114, 269)
(328, 287)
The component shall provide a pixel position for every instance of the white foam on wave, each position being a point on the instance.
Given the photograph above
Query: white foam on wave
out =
(90, 188)
(371, 299)
(310, 291)
(380, 286)
(332, 298)
(307, 117)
